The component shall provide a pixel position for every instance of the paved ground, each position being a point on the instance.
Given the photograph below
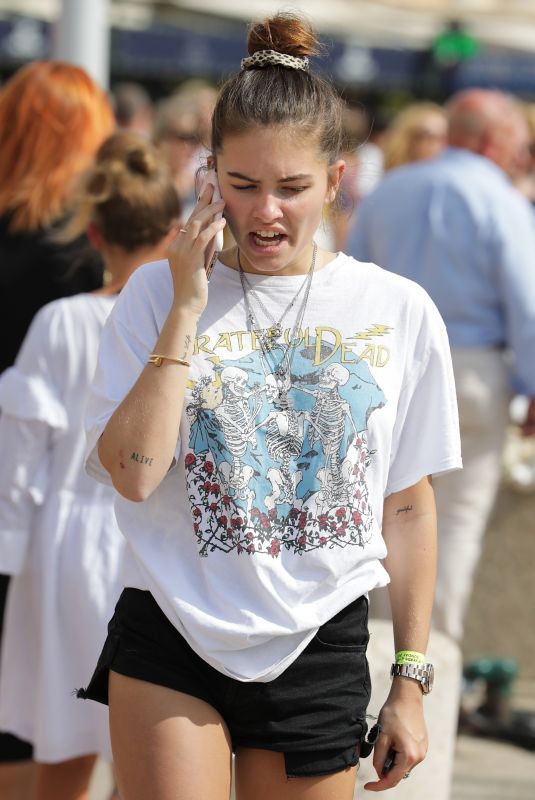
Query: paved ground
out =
(492, 770)
(486, 770)
(502, 612)
(501, 623)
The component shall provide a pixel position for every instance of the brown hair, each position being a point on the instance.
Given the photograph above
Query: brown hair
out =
(278, 95)
(128, 194)
(53, 117)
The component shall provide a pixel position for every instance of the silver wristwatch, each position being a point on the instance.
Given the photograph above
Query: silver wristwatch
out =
(423, 673)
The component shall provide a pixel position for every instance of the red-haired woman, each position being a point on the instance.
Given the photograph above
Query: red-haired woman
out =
(53, 118)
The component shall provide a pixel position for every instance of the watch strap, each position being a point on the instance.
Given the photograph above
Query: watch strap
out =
(423, 673)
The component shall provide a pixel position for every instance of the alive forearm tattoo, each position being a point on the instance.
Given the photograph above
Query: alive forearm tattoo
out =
(145, 460)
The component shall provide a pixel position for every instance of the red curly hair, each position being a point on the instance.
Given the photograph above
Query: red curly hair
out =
(53, 118)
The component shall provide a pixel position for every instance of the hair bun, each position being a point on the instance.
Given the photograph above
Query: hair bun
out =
(99, 185)
(284, 33)
(141, 161)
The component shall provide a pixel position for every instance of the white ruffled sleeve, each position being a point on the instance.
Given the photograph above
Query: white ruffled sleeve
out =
(30, 397)
(22, 477)
(32, 413)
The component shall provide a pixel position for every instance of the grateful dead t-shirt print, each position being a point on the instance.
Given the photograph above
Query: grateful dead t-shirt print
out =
(278, 452)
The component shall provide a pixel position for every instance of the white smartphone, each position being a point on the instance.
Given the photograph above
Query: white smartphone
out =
(212, 252)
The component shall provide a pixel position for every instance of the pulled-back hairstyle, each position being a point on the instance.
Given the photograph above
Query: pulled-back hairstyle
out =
(278, 95)
(53, 117)
(128, 193)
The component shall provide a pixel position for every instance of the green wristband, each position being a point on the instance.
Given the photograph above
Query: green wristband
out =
(409, 657)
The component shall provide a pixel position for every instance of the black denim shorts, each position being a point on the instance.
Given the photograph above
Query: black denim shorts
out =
(314, 712)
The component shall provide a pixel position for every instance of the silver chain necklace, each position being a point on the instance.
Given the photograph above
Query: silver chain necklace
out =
(267, 339)
(274, 331)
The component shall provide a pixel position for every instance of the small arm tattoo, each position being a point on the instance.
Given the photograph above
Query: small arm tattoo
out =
(404, 510)
(142, 459)
(187, 344)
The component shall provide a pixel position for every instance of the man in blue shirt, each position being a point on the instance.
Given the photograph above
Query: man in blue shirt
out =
(457, 226)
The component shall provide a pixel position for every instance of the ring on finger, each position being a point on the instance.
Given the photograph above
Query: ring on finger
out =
(183, 230)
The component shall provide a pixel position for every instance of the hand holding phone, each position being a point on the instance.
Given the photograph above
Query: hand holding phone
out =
(213, 251)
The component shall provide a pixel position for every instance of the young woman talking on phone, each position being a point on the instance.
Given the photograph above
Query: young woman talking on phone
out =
(270, 435)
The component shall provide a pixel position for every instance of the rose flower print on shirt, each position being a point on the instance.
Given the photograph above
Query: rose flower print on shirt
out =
(278, 452)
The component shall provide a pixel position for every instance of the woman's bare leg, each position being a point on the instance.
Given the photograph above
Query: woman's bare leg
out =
(67, 780)
(261, 775)
(166, 745)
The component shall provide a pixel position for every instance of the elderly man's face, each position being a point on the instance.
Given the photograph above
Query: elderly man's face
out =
(511, 146)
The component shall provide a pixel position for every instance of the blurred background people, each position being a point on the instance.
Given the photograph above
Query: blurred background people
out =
(133, 108)
(177, 136)
(370, 154)
(53, 118)
(456, 225)
(525, 180)
(58, 533)
(202, 96)
(417, 132)
(337, 219)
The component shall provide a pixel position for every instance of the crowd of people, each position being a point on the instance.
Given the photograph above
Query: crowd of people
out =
(202, 481)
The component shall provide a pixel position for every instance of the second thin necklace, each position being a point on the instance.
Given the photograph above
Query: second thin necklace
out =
(275, 329)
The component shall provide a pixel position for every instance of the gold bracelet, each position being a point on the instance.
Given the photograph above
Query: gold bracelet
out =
(157, 360)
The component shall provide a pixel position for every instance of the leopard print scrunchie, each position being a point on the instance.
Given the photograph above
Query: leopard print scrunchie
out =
(265, 58)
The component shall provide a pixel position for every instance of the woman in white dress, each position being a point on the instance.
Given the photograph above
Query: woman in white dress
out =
(58, 533)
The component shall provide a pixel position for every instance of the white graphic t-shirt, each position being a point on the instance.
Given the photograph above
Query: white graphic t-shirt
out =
(270, 521)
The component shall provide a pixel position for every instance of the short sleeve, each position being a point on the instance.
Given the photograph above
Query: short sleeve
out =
(426, 438)
(127, 340)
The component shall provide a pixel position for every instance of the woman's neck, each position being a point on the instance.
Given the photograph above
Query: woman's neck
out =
(323, 257)
(119, 264)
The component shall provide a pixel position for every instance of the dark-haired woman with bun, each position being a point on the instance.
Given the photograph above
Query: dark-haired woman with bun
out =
(58, 533)
(270, 434)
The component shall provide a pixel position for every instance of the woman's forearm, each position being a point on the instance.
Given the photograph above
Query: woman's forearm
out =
(139, 441)
(409, 529)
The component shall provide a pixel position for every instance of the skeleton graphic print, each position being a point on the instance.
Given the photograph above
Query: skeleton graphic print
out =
(277, 460)
(270, 520)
